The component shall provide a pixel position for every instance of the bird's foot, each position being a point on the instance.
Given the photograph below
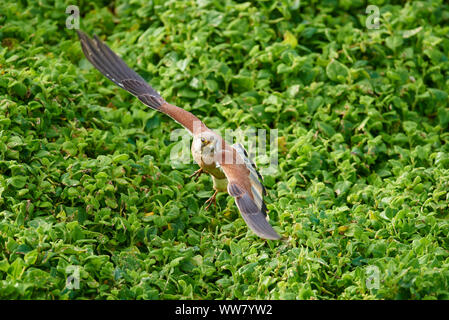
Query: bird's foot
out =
(211, 200)
(197, 174)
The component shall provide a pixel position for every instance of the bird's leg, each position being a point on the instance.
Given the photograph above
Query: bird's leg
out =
(197, 174)
(211, 200)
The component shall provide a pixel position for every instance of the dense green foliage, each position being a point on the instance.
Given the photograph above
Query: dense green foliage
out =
(86, 181)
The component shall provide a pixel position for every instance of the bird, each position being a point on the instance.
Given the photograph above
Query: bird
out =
(231, 169)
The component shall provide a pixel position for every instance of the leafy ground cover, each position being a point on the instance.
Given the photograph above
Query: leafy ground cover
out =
(87, 188)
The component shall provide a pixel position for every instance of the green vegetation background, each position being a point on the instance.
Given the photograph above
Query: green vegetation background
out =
(362, 187)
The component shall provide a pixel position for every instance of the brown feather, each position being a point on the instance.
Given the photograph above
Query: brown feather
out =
(238, 174)
(116, 70)
(185, 118)
(240, 187)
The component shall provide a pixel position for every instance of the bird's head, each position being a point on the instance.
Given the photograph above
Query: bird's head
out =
(207, 140)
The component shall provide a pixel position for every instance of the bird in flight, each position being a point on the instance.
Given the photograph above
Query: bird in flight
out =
(229, 165)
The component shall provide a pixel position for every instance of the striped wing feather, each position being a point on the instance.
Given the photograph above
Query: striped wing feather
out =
(116, 70)
(255, 177)
(244, 189)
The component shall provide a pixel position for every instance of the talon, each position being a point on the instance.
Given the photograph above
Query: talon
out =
(197, 174)
(211, 200)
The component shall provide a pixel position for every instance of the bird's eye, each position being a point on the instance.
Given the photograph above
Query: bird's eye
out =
(203, 139)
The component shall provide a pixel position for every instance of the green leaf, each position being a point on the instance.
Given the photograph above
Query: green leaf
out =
(394, 42)
(17, 182)
(120, 158)
(19, 89)
(337, 71)
(289, 38)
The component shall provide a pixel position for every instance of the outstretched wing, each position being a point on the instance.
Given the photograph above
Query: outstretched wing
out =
(116, 70)
(242, 187)
(255, 177)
